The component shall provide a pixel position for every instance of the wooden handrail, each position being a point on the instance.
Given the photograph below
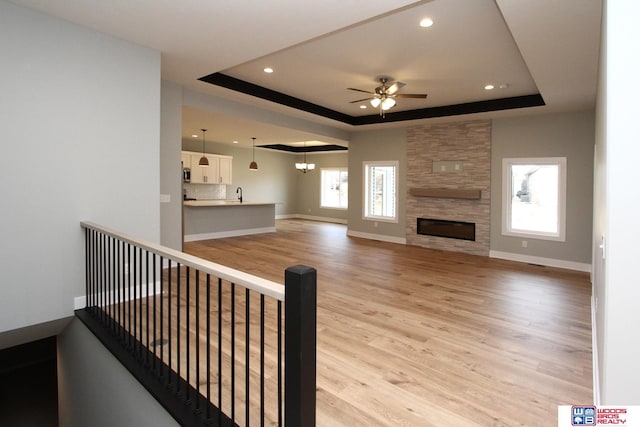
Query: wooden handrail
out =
(249, 281)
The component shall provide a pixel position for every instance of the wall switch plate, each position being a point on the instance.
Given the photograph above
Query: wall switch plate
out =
(165, 198)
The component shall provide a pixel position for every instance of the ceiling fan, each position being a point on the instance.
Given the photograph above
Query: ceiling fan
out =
(385, 95)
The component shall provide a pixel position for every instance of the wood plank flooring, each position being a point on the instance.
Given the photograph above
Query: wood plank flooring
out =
(409, 336)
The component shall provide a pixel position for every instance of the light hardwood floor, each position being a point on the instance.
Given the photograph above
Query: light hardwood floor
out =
(409, 336)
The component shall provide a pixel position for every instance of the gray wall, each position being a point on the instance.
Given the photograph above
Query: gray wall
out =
(170, 167)
(390, 144)
(569, 135)
(94, 389)
(308, 185)
(618, 208)
(79, 125)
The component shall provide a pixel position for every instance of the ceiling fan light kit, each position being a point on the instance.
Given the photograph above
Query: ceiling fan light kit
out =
(385, 96)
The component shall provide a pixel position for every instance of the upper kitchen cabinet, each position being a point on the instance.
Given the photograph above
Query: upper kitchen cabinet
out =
(219, 170)
(186, 160)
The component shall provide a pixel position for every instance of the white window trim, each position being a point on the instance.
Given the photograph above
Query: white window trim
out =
(561, 162)
(365, 191)
(331, 207)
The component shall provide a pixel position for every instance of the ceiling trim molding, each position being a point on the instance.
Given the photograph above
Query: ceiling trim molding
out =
(309, 149)
(524, 101)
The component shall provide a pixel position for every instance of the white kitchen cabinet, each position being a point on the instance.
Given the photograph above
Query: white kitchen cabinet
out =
(186, 160)
(218, 171)
(225, 169)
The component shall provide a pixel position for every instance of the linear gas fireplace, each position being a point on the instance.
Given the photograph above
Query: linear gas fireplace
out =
(443, 228)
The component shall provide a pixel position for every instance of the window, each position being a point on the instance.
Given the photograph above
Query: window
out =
(534, 197)
(334, 188)
(380, 191)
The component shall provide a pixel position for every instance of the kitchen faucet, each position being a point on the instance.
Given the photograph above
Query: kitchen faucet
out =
(239, 191)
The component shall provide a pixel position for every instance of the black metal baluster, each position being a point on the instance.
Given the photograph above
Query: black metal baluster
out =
(208, 347)
(169, 374)
(187, 322)
(279, 363)
(103, 279)
(146, 266)
(262, 360)
(219, 351)
(135, 300)
(178, 377)
(162, 311)
(247, 351)
(128, 289)
(233, 352)
(116, 272)
(155, 308)
(123, 296)
(197, 340)
(140, 339)
(86, 267)
(112, 313)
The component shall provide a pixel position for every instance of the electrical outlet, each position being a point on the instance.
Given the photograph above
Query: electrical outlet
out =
(524, 243)
(375, 224)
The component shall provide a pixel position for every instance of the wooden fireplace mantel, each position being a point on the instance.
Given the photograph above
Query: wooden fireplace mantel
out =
(447, 193)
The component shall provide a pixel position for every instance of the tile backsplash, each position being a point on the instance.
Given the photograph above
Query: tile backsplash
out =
(206, 191)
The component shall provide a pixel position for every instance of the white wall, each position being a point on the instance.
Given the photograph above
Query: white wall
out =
(79, 128)
(617, 175)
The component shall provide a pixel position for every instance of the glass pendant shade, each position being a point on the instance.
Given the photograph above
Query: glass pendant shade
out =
(388, 103)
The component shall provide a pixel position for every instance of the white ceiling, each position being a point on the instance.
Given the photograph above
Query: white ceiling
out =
(318, 49)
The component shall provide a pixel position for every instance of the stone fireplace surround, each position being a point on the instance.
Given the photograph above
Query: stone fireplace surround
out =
(467, 145)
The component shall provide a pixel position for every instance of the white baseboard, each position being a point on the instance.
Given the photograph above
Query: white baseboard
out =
(549, 262)
(313, 218)
(81, 301)
(232, 233)
(380, 237)
(594, 352)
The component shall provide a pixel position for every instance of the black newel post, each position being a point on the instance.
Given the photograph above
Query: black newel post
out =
(300, 346)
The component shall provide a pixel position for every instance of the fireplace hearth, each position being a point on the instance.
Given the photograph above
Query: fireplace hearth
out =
(444, 228)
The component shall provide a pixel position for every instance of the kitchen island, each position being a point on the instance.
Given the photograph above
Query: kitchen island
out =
(214, 219)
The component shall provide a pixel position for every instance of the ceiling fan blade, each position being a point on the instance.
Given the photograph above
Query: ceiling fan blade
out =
(360, 100)
(360, 90)
(395, 87)
(412, 95)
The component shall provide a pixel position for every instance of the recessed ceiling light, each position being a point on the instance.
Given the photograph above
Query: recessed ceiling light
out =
(235, 142)
(426, 22)
(488, 87)
(363, 106)
(504, 85)
(268, 70)
(195, 136)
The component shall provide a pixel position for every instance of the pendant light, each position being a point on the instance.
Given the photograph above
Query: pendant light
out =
(304, 167)
(204, 162)
(253, 166)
